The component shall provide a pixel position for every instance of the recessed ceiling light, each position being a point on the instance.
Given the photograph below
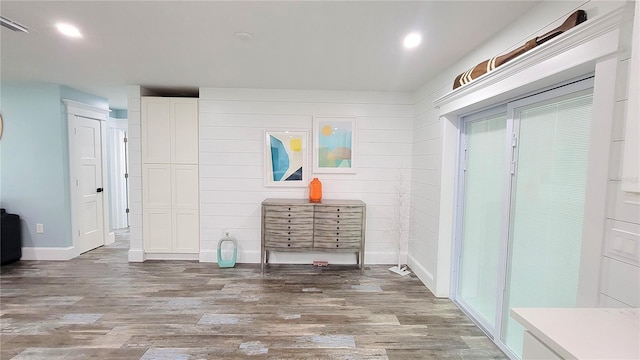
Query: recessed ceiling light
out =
(412, 40)
(68, 30)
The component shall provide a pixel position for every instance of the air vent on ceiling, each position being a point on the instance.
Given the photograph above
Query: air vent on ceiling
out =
(12, 25)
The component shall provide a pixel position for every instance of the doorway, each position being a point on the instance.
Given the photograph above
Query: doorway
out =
(87, 170)
(117, 157)
(522, 185)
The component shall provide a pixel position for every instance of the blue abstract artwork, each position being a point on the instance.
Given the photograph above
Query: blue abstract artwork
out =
(286, 156)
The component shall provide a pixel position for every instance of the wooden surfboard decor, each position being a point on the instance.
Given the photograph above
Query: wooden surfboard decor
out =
(486, 66)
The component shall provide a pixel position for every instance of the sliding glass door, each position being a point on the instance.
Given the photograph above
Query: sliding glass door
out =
(522, 190)
(483, 170)
(547, 206)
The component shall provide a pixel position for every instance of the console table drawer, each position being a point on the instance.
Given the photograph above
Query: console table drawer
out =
(280, 210)
(337, 233)
(289, 233)
(338, 209)
(332, 225)
(338, 215)
(336, 242)
(282, 216)
(288, 242)
(294, 224)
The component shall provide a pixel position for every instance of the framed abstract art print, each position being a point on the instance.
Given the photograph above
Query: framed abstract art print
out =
(334, 140)
(286, 156)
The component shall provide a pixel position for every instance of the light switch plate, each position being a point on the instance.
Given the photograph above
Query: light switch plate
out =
(39, 228)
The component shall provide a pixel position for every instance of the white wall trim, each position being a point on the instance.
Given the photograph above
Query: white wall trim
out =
(448, 201)
(595, 210)
(48, 253)
(162, 256)
(581, 45)
(86, 110)
(578, 52)
(422, 273)
(136, 255)
(208, 255)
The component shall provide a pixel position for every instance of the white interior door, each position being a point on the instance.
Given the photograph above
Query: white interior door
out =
(89, 160)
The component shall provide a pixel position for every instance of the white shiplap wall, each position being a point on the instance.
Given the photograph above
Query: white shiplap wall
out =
(232, 126)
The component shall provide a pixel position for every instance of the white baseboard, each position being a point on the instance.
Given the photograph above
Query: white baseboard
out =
(166, 256)
(422, 273)
(380, 258)
(48, 253)
(136, 255)
(285, 257)
(210, 256)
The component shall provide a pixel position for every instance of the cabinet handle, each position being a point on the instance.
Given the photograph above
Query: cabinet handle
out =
(338, 228)
(338, 221)
(338, 209)
(337, 245)
(288, 244)
(337, 233)
(338, 215)
(289, 233)
(337, 239)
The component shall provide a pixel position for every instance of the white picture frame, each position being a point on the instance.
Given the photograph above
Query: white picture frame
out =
(286, 155)
(334, 144)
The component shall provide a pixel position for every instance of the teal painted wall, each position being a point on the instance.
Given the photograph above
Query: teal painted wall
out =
(118, 113)
(34, 165)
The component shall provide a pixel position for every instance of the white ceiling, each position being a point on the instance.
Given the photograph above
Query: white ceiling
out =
(319, 45)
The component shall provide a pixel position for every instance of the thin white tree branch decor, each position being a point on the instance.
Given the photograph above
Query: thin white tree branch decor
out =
(396, 222)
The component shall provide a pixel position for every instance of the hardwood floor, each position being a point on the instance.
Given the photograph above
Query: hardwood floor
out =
(99, 306)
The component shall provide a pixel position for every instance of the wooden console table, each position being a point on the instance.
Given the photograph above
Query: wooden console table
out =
(297, 225)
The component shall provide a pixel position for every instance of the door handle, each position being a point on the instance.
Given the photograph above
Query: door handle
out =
(99, 190)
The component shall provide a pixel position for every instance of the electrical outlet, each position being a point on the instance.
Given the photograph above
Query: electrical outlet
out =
(39, 228)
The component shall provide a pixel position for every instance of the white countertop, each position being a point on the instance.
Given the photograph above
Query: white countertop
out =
(585, 333)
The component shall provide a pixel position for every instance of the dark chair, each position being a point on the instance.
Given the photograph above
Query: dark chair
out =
(10, 237)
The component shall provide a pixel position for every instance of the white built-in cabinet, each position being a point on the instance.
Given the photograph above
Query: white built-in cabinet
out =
(170, 203)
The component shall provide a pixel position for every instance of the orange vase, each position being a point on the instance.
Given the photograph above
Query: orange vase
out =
(315, 190)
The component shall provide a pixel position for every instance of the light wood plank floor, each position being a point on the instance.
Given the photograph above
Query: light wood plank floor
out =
(99, 306)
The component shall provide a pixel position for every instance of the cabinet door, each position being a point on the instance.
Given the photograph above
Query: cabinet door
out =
(184, 146)
(184, 179)
(157, 232)
(156, 184)
(156, 130)
(536, 349)
(186, 231)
